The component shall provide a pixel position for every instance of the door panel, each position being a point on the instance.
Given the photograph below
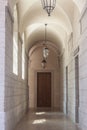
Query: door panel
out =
(43, 89)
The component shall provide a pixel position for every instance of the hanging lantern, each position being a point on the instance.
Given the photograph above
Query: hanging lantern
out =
(45, 52)
(45, 48)
(48, 5)
(44, 63)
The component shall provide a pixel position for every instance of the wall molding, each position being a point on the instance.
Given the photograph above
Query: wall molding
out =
(10, 13)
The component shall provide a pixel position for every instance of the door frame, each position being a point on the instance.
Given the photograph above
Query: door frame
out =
(66, 89)
(77, 89)
(52, 86)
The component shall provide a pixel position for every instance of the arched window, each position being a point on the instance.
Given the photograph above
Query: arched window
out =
(15, 42)
(23, 57)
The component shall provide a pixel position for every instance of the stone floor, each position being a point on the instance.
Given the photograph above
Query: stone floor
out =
(46, 120)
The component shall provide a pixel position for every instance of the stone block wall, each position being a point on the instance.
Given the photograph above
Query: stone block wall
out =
(16, 96)
(71, 89)
(67, 88)
(83, 72)
(79, 38)
(2, 63)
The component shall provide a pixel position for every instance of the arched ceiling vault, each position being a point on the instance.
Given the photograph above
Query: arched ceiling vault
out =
(54, 32)
(36, 14)
(32, 19)
(50, 45)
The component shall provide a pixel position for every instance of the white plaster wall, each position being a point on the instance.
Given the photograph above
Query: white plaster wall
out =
(16, 96)
(34, 67)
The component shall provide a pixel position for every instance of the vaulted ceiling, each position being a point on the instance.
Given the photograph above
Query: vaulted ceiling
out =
(32, 18)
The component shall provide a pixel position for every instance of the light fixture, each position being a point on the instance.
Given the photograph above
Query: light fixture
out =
(48, 5)
(45, 50)
(44, 62)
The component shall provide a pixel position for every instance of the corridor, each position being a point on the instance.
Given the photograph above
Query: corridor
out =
(43, 52)
(46, 120)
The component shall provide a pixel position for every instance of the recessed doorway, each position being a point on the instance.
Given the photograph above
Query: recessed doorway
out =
(44, 89)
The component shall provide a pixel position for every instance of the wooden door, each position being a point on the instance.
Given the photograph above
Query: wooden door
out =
(77, 89)
(43, 89)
